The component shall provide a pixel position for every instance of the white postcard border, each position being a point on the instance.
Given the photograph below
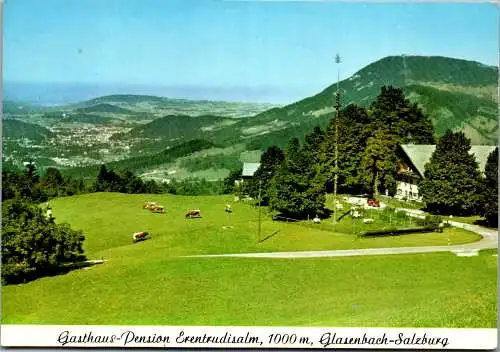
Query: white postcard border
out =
(245, 337)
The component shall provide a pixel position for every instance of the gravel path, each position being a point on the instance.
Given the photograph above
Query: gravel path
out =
(489, 240)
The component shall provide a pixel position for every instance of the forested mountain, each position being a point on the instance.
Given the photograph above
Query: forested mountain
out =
(137, 164)
(435, 83)
(173, 126)
(12, 128)
(104, 107)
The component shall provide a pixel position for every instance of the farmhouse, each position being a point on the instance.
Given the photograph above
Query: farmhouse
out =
(249, 170)
(411, 166)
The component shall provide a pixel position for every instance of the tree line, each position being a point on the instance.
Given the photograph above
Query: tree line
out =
(293, 182)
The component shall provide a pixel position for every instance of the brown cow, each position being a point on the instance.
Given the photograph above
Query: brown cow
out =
(139, 236)
(193, 213)
(157, 209)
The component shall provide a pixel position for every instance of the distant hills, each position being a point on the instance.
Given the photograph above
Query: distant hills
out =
(12, 128)
(180, 127)
(86, 118)
(104, 107)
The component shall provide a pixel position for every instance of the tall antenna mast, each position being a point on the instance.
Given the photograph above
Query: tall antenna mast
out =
(404, 69)
(336, 170)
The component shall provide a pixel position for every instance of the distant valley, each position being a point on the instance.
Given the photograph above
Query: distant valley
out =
(456, 94)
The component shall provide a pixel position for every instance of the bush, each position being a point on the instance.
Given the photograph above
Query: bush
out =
(430, 221)
(396, 231)
(34, 245)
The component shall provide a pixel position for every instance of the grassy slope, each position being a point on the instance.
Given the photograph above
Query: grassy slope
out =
(109, 219)
(427, 290)
(147, 283)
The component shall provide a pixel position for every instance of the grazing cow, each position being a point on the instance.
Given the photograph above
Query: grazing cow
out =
(195, 213)
(157, 209)
(150, 205)
(316, 220)
(228, 208)
(373, 203)
(139, 236)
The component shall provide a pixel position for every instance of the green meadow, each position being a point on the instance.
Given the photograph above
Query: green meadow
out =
(155, 282)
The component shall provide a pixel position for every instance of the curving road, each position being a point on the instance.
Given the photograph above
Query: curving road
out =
(489, 240)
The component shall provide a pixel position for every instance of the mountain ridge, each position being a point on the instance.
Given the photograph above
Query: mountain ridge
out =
(401, 71)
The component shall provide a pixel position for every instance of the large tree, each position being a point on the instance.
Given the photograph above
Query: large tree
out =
(294, 191)
(490, 202)
(378, 164)
(229, 183)
(403, 120)
(34, 245)
(452, 181)
(107, 181)
(270, 162)
(352, 135)
(52, 183)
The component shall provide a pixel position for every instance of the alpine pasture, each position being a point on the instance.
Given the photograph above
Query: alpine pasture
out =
(156, 282)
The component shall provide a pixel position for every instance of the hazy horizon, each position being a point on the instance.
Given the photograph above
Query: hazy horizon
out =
(258, 51)
(66, 93)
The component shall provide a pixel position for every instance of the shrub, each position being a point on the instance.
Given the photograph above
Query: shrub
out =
(396, 231)
(34, 245)
(430, 221)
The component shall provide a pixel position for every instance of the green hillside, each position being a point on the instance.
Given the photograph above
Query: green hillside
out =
(20, 108)
(104, 107)
(140, 163)
(458, 111)
(86, 118)
(153, 283)
(175, 127)
(12, 128)
(468, 82)
(118, 99)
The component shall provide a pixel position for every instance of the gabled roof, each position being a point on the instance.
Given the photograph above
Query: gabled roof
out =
(249, 169)
(420, 154)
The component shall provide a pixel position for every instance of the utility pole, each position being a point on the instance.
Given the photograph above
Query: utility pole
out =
(404, 69)
(337, 106)
(260, 206)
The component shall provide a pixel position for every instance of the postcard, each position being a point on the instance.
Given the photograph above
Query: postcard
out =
(249, 174)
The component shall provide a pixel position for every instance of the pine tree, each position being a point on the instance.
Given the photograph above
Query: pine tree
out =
(378, 164)
(101, 182)
(230, 181)
(53, 183)
(351, 143)
(490, 201)
(452, 181)
(270, 162)
(406, 122)
(294, 192)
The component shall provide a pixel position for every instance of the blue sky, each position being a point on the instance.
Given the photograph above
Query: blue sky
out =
(284, 50)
